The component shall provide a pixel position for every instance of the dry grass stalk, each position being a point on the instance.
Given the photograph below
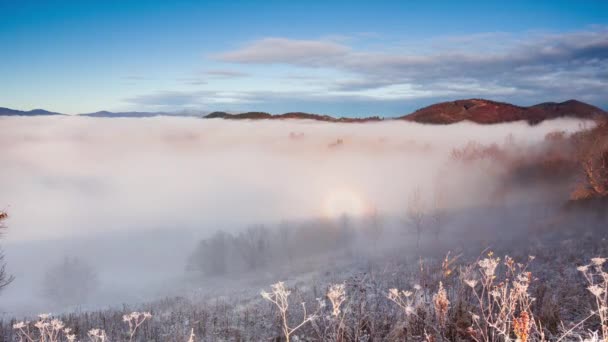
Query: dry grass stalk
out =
(279, 296)
(441, 305)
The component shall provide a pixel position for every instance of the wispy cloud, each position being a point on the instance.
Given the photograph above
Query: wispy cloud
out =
(169, 98)
(192, 80)
(288, 51)
(226, 74)
(522, 65)
(198, 98)
(210, 75)
(523, 69)
(136, 78)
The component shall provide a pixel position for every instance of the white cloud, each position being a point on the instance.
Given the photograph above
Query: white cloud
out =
(288, 51)
(515, 67)
(523, 69)
(226, 73)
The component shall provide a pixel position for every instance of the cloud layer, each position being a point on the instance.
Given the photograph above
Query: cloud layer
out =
(132, 197)
(289, 51)
(519, 66)
(525, 69)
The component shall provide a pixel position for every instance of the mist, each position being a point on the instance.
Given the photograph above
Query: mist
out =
(133, 197)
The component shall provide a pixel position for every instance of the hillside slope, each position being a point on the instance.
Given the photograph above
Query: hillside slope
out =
(492, 112)
(475, 110)
(33, 112)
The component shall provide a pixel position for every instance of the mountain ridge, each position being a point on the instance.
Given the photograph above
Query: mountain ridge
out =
(34, 112)
(475, 110)
(491, 112)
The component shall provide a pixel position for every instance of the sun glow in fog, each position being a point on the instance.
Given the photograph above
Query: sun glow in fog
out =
(343, 201)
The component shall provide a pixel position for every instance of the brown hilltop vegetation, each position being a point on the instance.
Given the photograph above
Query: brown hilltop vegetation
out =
(491, 112)
(592, 155)
(475, 110)
(578, 161)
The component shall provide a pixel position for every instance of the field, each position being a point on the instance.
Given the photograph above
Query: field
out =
(545, 296)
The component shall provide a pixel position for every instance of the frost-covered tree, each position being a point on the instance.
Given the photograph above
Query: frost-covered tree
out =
(592, 150)
(70, 283)
(346, 235)
(253, 244)
(374, 229)
(285, 234)
(438, 213)
(415, 214)
(211, 255)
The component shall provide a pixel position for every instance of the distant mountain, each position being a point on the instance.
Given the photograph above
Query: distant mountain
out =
(569, 108)
(106, 114)
(491, 112)
(34, 112)
(247, 115)
(475, 110)
(285, 116)
(100, 114)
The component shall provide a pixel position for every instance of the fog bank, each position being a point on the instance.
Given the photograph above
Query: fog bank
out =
(132, 197)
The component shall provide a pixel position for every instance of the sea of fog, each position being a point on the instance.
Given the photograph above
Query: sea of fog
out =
(132, 197)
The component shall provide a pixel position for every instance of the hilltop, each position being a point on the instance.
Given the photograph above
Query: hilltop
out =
(474, 110)
(490, 112)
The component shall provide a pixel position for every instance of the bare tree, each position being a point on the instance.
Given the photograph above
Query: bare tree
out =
(253, 245)
(285, 236)
(279, 297)
(346, 235)
(5, 278)
(374, 229)
(210, 256)
(70, 282)
(438, 213)
(595, 167)
(592, 149)
(415, 213)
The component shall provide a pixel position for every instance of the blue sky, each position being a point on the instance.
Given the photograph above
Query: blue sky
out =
(351, 58)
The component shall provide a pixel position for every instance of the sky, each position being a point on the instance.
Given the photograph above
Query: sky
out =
(344, 58)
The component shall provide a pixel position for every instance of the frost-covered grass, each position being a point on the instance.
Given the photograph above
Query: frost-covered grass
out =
(559, 293)
(49, 329)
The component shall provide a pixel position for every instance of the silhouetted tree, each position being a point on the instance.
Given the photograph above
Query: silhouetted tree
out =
(438, 213)
(285, 237)
(374, 229)
(346, 235)
(253, 245)
(415, 213)
(70, 282)
(211, 255)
